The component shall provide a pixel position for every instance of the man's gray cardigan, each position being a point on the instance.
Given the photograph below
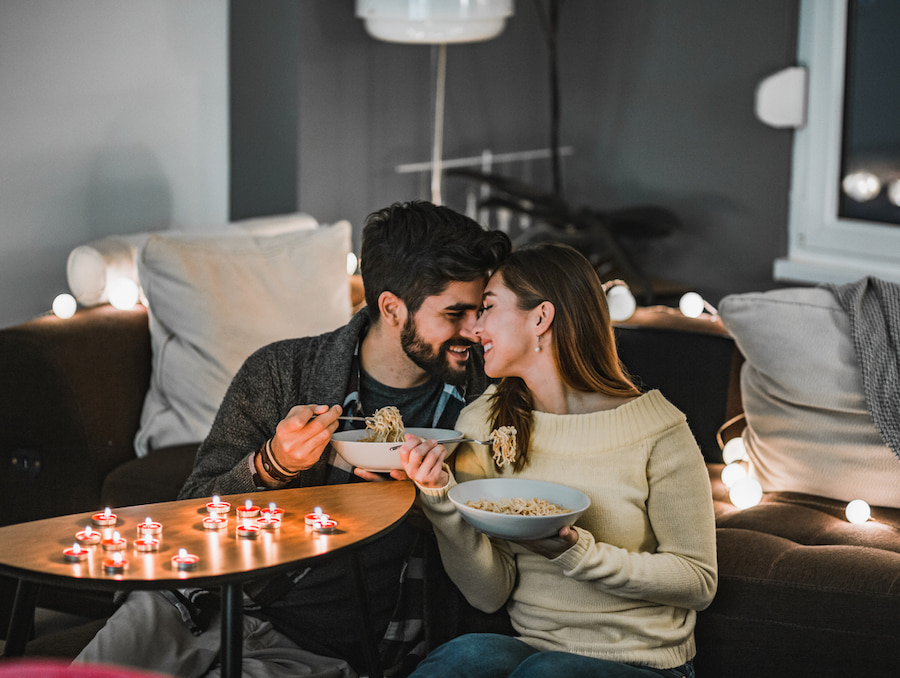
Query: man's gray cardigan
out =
(310, 370)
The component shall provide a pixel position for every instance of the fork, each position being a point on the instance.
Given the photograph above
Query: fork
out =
(458, 440)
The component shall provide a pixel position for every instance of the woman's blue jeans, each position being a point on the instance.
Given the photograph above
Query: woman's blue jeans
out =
(489, 655)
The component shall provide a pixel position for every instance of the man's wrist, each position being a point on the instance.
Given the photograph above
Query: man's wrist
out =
(270, 468)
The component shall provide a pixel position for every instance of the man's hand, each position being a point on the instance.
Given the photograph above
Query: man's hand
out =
(302, 436)
(423, 461)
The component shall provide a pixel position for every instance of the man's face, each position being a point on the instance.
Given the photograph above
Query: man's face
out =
(439, 335)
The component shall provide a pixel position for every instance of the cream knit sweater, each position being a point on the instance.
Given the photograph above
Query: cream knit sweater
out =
(645, 560)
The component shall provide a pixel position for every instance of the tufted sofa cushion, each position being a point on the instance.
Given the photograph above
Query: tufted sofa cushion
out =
(795, 576)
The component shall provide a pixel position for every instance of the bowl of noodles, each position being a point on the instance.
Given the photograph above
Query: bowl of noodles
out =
(378, 456)
(518, 508)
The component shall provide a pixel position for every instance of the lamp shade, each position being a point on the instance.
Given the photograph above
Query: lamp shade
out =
(434, 21)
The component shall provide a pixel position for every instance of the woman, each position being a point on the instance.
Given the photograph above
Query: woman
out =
(617, 594)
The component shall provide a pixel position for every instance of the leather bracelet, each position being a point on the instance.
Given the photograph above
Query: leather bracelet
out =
(271, 465)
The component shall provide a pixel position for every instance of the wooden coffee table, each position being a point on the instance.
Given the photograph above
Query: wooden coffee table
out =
(33, 552)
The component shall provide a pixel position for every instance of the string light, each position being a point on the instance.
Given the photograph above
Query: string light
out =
(64, 306)
(858, 511)
(745, 493)
(619, 300)
(732, 474)
(735, 450)
(861, 186)
(123, 293)
(692, 305)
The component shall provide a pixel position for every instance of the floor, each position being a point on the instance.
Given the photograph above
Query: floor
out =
(49, 621)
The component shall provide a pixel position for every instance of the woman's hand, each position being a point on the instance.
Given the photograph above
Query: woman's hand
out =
(423, 461)
(551, 547)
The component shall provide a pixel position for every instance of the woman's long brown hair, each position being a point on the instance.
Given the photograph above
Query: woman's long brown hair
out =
(583, 343)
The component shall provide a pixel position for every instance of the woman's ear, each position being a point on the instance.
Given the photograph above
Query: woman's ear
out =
(392, 309)
(544, 317)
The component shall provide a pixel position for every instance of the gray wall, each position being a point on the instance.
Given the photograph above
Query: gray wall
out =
(657, 101)
(114, 119)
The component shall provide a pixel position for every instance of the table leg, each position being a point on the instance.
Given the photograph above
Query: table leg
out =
(370, 647)
(232, 630)
(21, 619)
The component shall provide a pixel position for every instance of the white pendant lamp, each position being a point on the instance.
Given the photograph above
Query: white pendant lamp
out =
(434, 21)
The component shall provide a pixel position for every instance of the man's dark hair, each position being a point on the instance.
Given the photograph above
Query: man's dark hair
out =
(415, 249)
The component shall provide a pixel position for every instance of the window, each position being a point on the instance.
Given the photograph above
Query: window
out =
(833, 237)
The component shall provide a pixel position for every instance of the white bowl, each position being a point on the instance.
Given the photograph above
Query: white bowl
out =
(379, 457)
(516, 527)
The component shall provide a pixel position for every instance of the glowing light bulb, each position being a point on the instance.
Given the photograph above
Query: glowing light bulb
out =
(64, 306)
(858, 511)
(352, 262)
(894, 192)
(861, 186)
(621, 303)
(735, 450)
(745, 493)
(733, 473)
(691, 304)
(123, 293)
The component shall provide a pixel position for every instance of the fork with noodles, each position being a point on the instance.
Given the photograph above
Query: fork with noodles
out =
(385, 426)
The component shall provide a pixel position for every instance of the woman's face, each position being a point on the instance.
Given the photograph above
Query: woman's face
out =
(506, 332)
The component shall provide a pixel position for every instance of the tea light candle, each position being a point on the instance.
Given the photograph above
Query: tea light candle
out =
(116, 564)
(218, 505)
(316, 516)
(148, 528)
(88, 537)
(184, 560)
(214, 521)
(326, 526)
(75, 554)
(248, 510)
(115, 543)
(275, 511)
(105, 519)
(146, 544)
(247, 531)
(268, 521)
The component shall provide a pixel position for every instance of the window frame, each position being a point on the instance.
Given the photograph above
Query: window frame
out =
(822, 247)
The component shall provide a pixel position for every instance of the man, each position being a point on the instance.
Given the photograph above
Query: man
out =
(424, 268)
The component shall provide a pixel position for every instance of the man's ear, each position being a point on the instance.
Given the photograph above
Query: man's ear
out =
(544, 313)
(392, 309)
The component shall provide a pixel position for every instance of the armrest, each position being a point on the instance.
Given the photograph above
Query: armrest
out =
(71, 393)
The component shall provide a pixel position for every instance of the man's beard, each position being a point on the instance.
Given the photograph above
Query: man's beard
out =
(434, 363)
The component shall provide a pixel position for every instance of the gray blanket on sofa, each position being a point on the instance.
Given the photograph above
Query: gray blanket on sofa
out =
(873, 306)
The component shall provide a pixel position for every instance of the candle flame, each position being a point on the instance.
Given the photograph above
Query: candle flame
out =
(215, 499)
(317, 510)
(87, 531)
(182, 553)
(271, 505)
(248, 504)
(213, 515)
(116, 536)
(117, 557)
(147, 521)
(76, 548)
(107, 512)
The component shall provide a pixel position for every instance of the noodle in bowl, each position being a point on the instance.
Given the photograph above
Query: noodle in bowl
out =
(379, 457)
(531, 496)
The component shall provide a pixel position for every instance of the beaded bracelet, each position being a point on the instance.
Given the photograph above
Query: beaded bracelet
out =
(271, 465)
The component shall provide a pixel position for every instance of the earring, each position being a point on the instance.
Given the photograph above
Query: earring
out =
(537, 349)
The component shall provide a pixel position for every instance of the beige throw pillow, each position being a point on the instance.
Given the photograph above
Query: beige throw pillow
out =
(214, 299)
(808, 428)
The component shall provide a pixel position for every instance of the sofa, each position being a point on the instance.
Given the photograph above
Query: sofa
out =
(801, 590)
